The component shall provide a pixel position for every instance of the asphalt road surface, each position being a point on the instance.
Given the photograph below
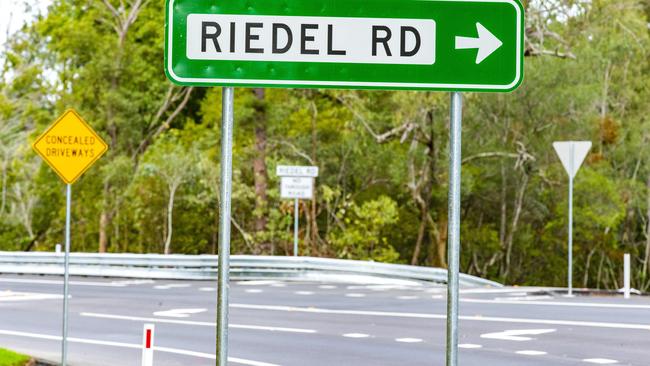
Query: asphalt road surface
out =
(319, 324)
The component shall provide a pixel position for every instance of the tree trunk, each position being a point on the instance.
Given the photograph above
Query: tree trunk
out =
(515, 222)
(418, 243)
(170, 210)
(314, 145)
(647, 229)
(104, 222)
(504, 207)
(4, 185)
(259, 165)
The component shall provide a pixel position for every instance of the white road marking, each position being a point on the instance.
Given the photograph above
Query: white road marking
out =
(558, 303)
(405, 297)
(490, 291)
(469, 345)
(327, 287)
(179, 313)
(516, 335)
(278, 285)
(531, 353)
(600, 361)
(408, 340)
(524, 298)
(440, 316)
(240, 361)
(171, 285)
(257, 283)
(207, 289)
(355, 295)
(198, 323)
(356, 335)
(10, 296)
(253, 291)
(304, 292)
(60, 282)
(436, 296)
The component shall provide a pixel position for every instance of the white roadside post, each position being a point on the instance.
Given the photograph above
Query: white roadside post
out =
(147, 345)
(626, 275)
(571, 154)
(296, 182)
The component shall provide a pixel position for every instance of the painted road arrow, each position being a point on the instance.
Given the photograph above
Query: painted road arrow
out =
(486, 43)
(382, 44)
(516, 335)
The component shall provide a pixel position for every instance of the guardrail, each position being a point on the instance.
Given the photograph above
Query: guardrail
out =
(204, 267)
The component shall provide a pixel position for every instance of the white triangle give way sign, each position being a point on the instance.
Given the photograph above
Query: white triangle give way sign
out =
(572, 154)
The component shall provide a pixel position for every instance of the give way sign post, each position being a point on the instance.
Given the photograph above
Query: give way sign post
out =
(455, 45)
(571, 154)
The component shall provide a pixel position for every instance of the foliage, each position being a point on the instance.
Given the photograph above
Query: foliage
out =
(382, 190)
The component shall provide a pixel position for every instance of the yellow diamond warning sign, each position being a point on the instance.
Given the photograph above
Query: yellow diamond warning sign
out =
(70, 146)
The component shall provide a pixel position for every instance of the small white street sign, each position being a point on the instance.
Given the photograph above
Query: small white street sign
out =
(297, 187)
(572, 154)
(296, 171)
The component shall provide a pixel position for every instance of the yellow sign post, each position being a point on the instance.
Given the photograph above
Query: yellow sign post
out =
(70, 146)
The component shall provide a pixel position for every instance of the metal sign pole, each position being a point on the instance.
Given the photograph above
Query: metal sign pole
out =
(66, 267)
(570, 231)
(295, 228)
(227, 118)
(453, 250)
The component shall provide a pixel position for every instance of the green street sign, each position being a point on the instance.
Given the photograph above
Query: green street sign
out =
(473, 45)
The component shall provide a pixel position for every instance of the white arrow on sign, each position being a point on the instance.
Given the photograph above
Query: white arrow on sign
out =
(486, 43)
(178, 313)
(572, 154)
(516, 335)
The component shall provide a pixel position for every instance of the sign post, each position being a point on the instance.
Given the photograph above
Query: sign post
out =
(571, 154)
(69, 146)
(453, 45)
(296, 182)
(227, 124)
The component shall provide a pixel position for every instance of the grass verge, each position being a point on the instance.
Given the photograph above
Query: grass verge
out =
(8, 358)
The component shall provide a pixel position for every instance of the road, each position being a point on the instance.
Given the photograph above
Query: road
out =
(319, 324)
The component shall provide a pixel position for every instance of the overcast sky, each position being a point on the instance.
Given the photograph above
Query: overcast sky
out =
(14, 13)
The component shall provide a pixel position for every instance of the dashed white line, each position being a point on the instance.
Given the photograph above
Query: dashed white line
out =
(198, 323)
(355, 295)
(531, 353)
(356, 335)
(171, 285)
(405, 297)
(408, 340)
(240, 361)
(441, 316)
(207, 289)
(600, 361)
(327, 287)
(557, 303)
(178, 313)
(10, 296)
(304, 292)
(253, 291)
(469, 346)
